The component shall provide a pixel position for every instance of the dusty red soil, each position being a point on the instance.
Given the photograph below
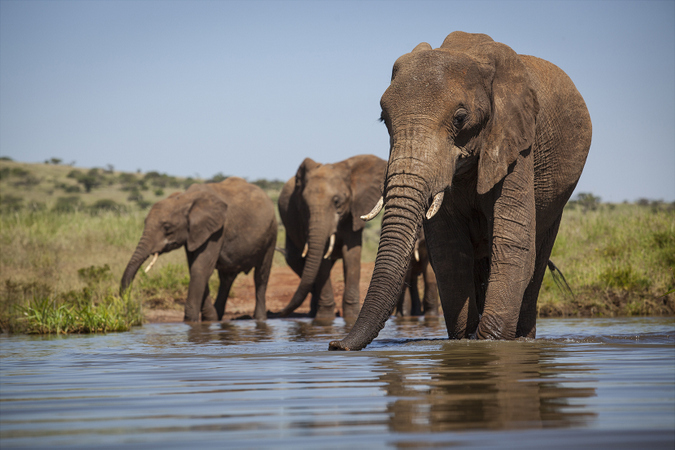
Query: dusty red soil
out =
(282, 284)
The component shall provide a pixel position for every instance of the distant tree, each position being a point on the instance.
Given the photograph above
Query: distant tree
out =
(109, 169)
(10, 203)
(217, 178)
(588, 201)
(55, 161)
(269, 184)
(68, 204)
(107, 204)
(5, 158)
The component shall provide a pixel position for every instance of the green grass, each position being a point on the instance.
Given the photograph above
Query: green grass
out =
(618, 259)
(63, 251)
(60, 268)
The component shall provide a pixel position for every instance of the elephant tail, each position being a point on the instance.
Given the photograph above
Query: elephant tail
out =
(560, 280)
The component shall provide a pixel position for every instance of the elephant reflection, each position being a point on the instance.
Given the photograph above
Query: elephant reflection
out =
(230, 332)
(487, 385)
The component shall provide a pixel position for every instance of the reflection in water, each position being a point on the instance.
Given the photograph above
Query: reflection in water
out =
(494, 385)
(248, 384)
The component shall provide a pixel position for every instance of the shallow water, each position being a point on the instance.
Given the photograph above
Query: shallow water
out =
(241, 384)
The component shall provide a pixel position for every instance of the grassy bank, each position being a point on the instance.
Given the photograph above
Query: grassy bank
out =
(60, 266)
(618, 259)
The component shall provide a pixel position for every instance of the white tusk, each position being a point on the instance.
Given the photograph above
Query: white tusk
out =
(376, 210)
(331, 244)
(152, 263)
(305, 250)
(417, 254)
(435, 205)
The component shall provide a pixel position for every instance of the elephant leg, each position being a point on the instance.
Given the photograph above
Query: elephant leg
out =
(415, 304)
(323, 301)
(226, 281)
(403, 306)
(527, 322)
(351, 302)
(260, 278)
(201, 263)
(430, 301)
(512, 251)
(451, 254)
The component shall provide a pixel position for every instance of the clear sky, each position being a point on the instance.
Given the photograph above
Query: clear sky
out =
(251, 88)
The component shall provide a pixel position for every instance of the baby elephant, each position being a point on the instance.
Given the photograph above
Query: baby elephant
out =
(409, 301)
(229, 226)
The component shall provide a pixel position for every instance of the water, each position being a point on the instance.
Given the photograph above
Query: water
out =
(599, 382)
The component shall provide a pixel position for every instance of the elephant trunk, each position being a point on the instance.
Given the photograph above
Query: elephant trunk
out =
(315, 254)
(141, 253)
(406, 200)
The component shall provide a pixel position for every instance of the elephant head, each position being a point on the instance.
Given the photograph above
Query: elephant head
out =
(466, 109)
(330, 199)
(183, 219)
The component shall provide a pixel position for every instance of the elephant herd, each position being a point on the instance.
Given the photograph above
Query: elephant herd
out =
(486, 147)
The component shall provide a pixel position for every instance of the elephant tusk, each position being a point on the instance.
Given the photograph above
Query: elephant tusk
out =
(435, 205)
(376, 210)
(305, 250)
(152, 263)
(417, 254)
(331, 244)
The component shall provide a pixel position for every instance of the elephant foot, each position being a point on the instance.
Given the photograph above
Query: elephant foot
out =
(210, 315)
(325, 313)
(350, 312)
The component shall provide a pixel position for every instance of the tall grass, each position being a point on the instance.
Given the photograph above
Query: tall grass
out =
(618, 259)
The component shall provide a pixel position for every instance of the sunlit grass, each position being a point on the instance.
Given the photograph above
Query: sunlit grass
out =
(618, 259)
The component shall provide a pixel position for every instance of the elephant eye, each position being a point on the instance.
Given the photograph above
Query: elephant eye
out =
(459, 118)
(336, 201)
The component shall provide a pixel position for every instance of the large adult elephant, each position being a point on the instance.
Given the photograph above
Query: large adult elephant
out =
(228, 226)
(321, 209)
(486, 149)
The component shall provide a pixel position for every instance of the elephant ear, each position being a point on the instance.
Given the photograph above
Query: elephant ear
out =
(300, 176)
(205, 217)
(512, 125)
(366, 180)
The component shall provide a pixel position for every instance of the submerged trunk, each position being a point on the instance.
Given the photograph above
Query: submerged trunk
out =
(140, 255)
(316, 243)
(405, 202)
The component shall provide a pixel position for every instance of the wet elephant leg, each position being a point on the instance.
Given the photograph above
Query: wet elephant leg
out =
(260, 278)
(351, 252)
(202, 264)
(226, 281)
(325, 303)
(528, 310)
(513, 251)
(451, 253)
(415, 304)
(430, 301)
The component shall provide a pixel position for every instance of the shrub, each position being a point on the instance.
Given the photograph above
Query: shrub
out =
(68, 204)
(107, 204)
(10, 203)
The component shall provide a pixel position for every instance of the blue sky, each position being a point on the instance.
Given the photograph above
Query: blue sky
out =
(251, 88)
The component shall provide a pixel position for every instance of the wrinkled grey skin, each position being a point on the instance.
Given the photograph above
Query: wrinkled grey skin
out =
(505, 138)
(228, 226)
(321, 200)
(409, 303)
